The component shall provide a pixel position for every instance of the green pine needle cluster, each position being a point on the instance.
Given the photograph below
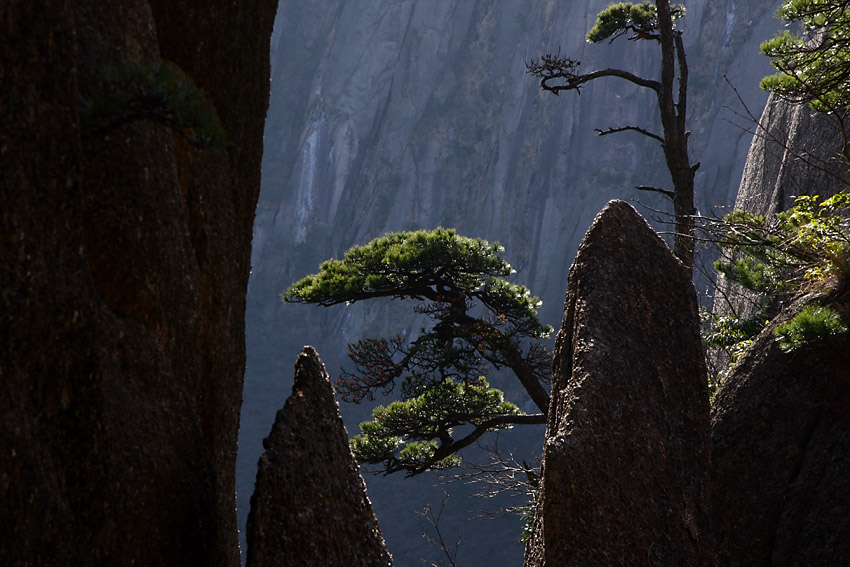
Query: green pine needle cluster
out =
(423, 264)
(402, 263)
(813, 65)
(815, 324)
(623, 17)
(404, 434)
(753, 274)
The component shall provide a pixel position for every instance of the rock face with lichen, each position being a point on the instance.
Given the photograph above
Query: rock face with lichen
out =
(309, 505)
(626, 455)
(125, 260)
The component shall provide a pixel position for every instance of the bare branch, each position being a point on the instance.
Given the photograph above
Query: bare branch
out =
(666, 192)
(576, 81)
(638, 129)
(440, 541)
(551, 67)
(500, 474)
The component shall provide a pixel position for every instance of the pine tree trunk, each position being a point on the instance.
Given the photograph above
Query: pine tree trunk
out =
(673, 115)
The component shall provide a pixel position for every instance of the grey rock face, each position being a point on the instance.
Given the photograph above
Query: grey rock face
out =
(781, 455)
(626, 456)
(310, 506)
(797, 152)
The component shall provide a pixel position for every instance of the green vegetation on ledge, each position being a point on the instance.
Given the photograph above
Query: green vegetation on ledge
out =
(803, 249)
(815, 324)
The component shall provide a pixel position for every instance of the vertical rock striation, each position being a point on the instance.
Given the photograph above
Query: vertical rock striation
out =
(797, 152)
(125, 255)
(626, 456)
(309, 506)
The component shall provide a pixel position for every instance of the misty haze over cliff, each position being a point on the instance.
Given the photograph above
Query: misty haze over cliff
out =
(398, 115)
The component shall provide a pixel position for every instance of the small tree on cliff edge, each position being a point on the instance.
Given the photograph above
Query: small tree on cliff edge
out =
(650, 22)
(441, 372)
(814, 66)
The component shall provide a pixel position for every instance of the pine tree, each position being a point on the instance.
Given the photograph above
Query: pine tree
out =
(480, 321)
(650, 22)
(814, 65)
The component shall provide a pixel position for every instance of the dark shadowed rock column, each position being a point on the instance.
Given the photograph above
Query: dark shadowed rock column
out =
(309, 505)
(626, 457)
(781, 454)
(124, 261)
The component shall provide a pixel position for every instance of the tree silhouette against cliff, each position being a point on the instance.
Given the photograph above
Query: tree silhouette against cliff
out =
(648, 22)
(480, 321)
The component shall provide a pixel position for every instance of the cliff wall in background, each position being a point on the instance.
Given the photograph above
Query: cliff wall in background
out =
(125, 260)
(394, 115)
(796, 152)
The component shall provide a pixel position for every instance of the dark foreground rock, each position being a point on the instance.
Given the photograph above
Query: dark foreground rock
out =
(124, 260)
(309, 506)
(626, 456)
(781, 455)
